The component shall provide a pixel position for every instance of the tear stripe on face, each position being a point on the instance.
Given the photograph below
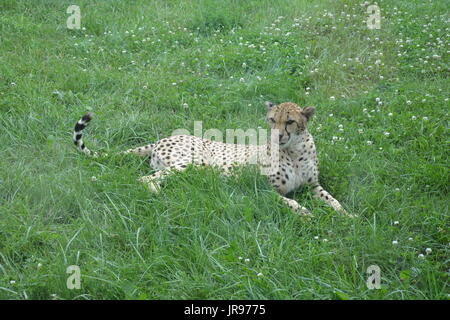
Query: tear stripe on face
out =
(287, 144)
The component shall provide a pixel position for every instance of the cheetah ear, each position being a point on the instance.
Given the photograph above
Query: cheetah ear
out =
(269, 105)
(308, 112)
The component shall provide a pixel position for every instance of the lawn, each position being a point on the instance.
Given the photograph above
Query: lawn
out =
(147, 68)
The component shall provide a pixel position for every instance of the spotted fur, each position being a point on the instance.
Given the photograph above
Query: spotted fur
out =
(298, 164)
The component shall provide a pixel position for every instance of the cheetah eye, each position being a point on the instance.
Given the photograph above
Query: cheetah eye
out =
(290, 122)
(272, 120)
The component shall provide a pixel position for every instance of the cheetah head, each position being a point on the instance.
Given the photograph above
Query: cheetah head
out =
(290, 120)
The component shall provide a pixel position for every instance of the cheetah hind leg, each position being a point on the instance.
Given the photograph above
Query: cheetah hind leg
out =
(154, 180)
(141, 151)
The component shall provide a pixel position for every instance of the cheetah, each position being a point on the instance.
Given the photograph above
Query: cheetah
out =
(296, 151)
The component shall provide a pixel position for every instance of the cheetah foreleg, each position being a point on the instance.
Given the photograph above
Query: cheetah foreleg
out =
(295, 206)
(321, 193)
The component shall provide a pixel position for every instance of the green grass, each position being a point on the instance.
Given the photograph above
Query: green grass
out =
(386, 162)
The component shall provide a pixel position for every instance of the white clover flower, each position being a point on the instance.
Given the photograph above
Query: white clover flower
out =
(396, 223)
(332, 98)
(408, 102)
(395, 242)
(93, 178)
(390, 114)
(39, 265)
(316, 238)
(241, 80)
(247, 260)
(410, 239)
(428, 250)
(259, 274)
(386, 134)
(185, 105)
(369, 143)
(421, 256)
(377, 99)
(240, 258)
(413, 118)
(12, 282)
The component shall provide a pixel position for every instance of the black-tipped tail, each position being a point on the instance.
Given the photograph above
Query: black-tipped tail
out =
(78, 132)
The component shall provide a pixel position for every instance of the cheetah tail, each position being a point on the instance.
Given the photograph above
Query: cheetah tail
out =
(77, 133)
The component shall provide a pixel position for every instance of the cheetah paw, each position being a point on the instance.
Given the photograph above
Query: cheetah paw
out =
(298, 208)
(348, 215)
(152, 185)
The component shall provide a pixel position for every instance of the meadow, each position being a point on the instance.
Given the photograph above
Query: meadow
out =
(147, 68)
